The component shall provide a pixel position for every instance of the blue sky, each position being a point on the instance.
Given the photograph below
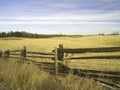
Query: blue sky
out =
(60, 16)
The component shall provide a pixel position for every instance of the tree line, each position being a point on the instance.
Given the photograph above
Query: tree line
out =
(27, 35)
(32, 35)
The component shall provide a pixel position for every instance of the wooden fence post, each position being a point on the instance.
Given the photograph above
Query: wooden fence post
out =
(60, 52)
(56, 61)
(7, 54)
(0, 53)
(23, 53)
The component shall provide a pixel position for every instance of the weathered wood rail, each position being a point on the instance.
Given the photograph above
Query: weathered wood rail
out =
(85, 50)
(94, 57)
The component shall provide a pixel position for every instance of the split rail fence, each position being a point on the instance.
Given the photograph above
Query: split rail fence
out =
(58, 55)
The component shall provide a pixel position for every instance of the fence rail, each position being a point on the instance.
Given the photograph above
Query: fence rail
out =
(15, 51)
(41, 56)
(41, 53)
(14, 54)
(95, 57)
(85, 50)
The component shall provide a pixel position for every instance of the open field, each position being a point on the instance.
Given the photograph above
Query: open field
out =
(47, 45)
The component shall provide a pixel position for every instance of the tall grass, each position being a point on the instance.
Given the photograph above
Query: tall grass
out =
(22, 76)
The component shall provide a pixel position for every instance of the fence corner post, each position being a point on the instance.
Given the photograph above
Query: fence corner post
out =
(56, 61)
(60, 52)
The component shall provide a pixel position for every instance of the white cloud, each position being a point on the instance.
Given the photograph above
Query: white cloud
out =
(108, 0)
(68, 17)
(53, 22)
(62, 5)
(64, 19)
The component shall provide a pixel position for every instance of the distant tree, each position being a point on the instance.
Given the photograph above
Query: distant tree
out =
(101, 34)
(115, 33)
(29, 35)
(3, 34)
(0, 35)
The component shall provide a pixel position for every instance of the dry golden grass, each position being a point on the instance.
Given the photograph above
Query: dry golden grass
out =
(22, 76)
(104, 65)
(48, 44)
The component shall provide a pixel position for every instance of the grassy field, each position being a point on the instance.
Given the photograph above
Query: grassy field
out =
(48, 44)
(31, 78)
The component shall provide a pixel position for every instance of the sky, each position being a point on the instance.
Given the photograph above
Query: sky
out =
(60, 16)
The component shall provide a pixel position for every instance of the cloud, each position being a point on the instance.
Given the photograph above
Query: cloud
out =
(56, 16)
(108, 0)
(67, 17)
(48, 22)
(62, 5)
